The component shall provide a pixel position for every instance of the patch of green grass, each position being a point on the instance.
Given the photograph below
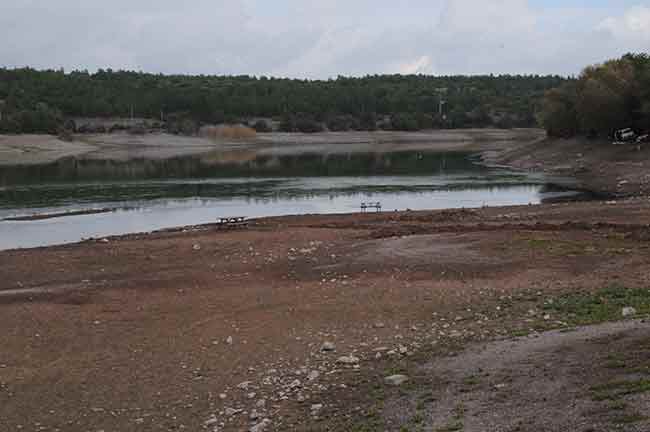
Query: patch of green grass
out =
(452, 427)
(617, 405)
(471, 380)
(537, 243)
(604, 305)
(520, 333)
(616, 364)
(559, 247)
(370, 425)
(418, 418)
(617, 389)
(629, 419)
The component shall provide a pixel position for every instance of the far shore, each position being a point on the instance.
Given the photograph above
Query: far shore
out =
(42, 149)
(598, 167)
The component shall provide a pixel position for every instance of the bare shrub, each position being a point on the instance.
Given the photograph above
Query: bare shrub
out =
(228, 132)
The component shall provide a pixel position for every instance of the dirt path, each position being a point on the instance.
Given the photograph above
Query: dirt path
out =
(203, 329)
(590, 379)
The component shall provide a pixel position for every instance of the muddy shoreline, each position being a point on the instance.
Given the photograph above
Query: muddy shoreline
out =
(182, 327)
(41, 149)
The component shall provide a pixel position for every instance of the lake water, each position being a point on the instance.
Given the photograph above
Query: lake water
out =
(148, 195)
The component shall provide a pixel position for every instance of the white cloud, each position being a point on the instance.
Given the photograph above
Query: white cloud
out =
(633, 25)
(420, 65)
(318, 39)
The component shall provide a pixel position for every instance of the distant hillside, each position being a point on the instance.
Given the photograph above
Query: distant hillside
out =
(41, 101)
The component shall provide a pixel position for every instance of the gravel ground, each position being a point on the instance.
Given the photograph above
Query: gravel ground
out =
(205, 329)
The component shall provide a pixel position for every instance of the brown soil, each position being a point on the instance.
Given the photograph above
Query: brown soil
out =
(146, 332)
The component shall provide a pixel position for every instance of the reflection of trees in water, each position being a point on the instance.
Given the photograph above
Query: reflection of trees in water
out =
(301, 194)
(259, 178)
(295, 165)
(253, 191)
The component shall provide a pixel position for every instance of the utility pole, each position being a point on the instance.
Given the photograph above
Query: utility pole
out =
(442, 103)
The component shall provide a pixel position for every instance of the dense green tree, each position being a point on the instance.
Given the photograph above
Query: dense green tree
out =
(559, 113)
(343, 103)
(604, 98)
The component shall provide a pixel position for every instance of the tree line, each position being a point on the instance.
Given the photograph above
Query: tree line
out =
(43, 101)
(604, 98)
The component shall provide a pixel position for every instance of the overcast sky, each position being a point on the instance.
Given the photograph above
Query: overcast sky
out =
(321, 39)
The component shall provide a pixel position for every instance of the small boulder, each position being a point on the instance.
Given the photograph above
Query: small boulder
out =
(261, 427)
(349, 360)
(628, 312)
(232, 411)
(328, 346)
(316, 409)
(396, 380)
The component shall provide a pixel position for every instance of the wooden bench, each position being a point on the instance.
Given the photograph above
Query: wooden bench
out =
(365, 206)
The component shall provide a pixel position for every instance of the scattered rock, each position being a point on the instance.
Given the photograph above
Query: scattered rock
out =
(396, 380)
(261, 427)
(244, 385)
(316, 409)
(211, 421)
(232, 411)
(229, 340)
(628, 312)
(328, 346)
(350, 360)
(313, 375)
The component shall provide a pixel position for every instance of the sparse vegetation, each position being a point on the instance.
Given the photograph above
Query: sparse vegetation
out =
(604, 305)
(617, 389)
(228, 132)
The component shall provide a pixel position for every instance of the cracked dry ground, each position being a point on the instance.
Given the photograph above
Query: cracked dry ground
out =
(218, 330)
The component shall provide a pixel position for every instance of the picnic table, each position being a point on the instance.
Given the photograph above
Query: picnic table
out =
(367, 205)
(232, 222)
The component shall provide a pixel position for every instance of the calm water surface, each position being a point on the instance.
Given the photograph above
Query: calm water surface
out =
(149, 195)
